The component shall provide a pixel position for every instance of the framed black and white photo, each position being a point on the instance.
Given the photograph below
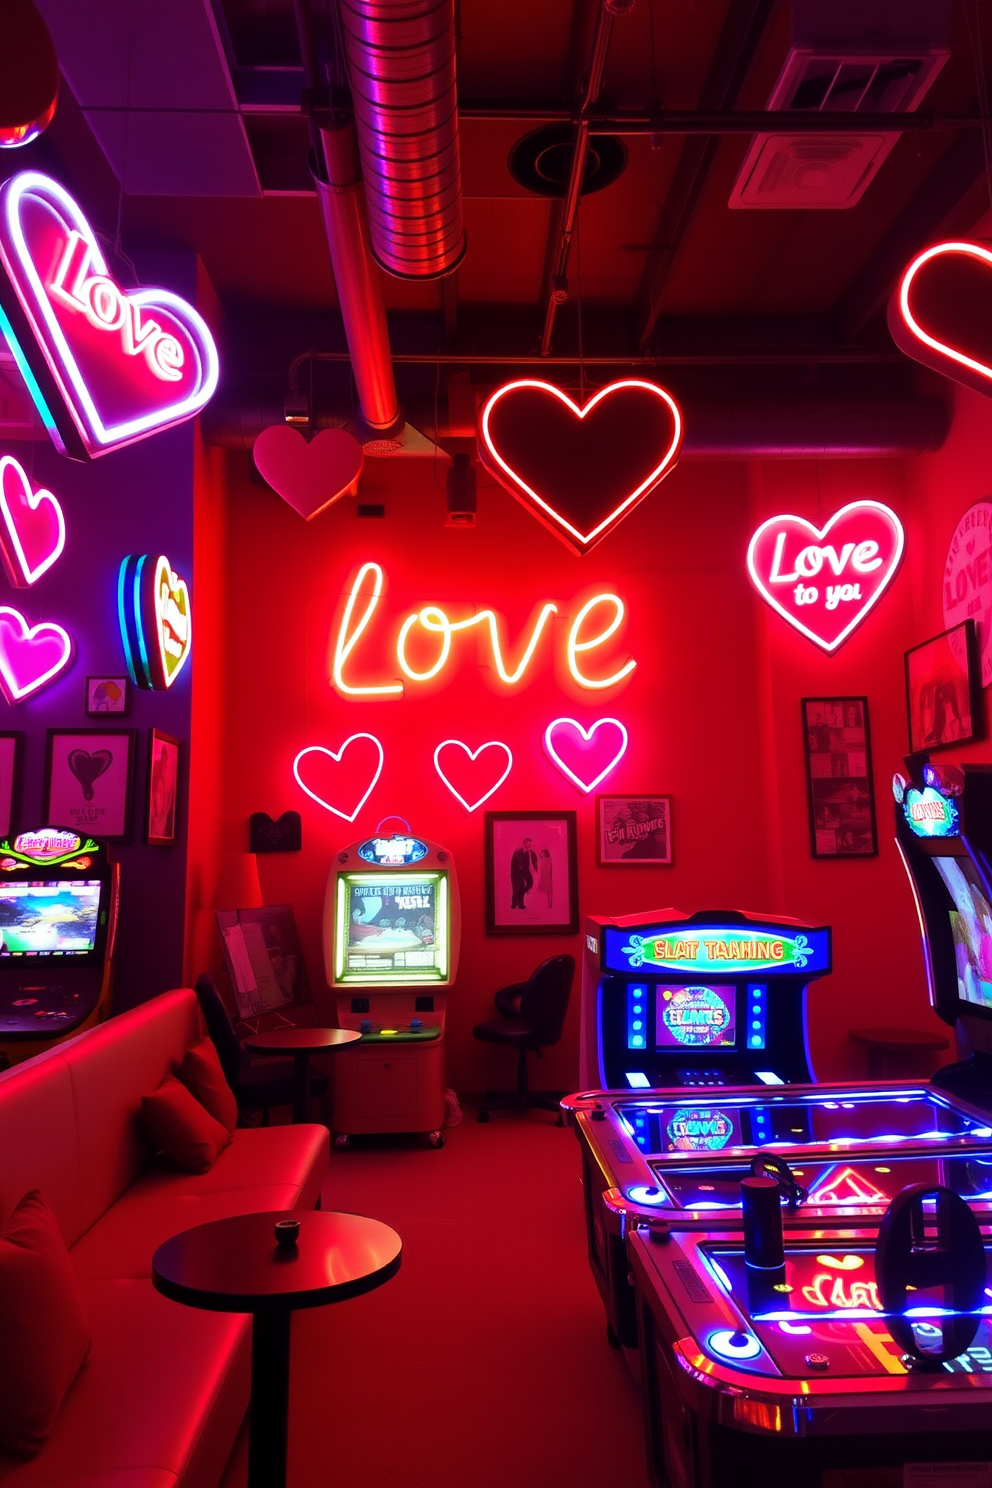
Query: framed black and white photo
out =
(634, 831)
(88, 777)
(163, 789)
(532, 883)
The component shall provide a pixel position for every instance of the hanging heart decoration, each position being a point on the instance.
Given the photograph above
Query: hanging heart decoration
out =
(459, 768)
(308, 477)
(30, 655)
(826, 588)
(941, 312)
(580, 471)
(105, 366)
(585, 756)
(347, 781)
(32, 529)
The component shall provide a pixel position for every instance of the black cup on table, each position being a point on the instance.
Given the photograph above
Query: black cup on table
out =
(287, 1231)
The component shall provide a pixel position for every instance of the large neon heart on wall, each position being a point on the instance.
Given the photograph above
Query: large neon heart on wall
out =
(32, 527)
(824, 580)
(485, 781)
(941, 312)
(317, 764)
(580, 471)
(106, 366)
(585, 756)
(30, 655)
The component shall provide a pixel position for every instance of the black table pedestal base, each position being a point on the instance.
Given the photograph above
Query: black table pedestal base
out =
(269, 1414)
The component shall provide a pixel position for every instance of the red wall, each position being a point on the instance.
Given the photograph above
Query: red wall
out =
(712, 708)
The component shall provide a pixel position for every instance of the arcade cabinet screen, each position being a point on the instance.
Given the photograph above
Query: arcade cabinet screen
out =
(392, 927)
(694, 1017)
(971, 928)
(49, 919)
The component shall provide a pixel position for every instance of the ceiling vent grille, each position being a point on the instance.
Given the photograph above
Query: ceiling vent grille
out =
(844, 58)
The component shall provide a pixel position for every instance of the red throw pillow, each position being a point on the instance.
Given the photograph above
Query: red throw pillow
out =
(184, 1131)
(44, 1336)
(203, 1077)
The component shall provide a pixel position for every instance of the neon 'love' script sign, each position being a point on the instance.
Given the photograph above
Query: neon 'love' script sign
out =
(825, 580)
(105, 365)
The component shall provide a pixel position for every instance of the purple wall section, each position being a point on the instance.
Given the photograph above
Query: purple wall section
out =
(135, 500)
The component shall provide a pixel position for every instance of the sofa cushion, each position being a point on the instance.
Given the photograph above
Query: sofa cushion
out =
(201, 1073)
(181, 1129)
(164, 1391)
(44, 1337)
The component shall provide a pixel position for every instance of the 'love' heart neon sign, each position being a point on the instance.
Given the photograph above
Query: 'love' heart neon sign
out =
(105, 366)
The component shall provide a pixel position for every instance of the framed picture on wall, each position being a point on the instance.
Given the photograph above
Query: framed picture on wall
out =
(11, 757)
(944, 689)
(163, 789)
(107, 696)
(838, 778)
(88, 776)
(634, 831)
(532, 883)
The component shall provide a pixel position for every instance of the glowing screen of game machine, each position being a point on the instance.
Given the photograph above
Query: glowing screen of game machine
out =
(716, 998)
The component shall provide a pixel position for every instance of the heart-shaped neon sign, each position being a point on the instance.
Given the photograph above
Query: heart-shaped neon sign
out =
(308, 477)
(825, 580)
(156, 620)
(30, 655)
(473, 755)
(309, 757)
(106, 366)
(579, 755)
(32, 527)
(580, 471)
(941, 312)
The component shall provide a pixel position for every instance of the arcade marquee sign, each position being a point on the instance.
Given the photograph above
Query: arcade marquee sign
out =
(728, 949)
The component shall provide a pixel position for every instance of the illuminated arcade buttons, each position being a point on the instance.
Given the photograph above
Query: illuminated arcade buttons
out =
(734, 1347)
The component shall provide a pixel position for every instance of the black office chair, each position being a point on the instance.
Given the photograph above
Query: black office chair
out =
(256, 1086)
(532, 1016)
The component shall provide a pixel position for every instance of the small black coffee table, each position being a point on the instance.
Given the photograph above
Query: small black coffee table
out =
(301, 1043)
(235, 1265)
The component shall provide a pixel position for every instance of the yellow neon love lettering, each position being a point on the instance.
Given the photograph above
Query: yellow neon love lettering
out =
(347, 639)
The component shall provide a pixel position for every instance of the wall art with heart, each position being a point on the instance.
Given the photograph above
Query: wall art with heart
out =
(580, 471)
(825, 580)
(105, 365)
(941, 312)
(284, 834)
(156, 620)
(88, 776)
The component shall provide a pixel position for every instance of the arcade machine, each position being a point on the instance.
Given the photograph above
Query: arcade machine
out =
(58, 918)
(392, 927)
(944, 834)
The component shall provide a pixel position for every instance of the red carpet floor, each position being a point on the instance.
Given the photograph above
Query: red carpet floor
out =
(484, 1363)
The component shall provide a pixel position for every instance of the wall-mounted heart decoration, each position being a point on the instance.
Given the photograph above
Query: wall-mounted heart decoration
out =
(32, 527)
(105, 366)
(156, 620)
(826, 588)
(308, 477)
(88, 767)
(580, 471)
(285, 834)
(30, 655)
(347, 781)
(941, 312)
(459, 768)
(585, 756)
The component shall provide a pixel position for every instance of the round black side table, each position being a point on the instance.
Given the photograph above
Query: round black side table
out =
(301, 1043)
(236, 1265)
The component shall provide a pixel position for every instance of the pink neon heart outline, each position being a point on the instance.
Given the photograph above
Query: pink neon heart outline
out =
(614, 517)
(52, 339)
(966, 250)
(818, 536)
(320, 749)
(14, 691)
(587, 736)
(16, 556)
(176, 586)
(473, 756)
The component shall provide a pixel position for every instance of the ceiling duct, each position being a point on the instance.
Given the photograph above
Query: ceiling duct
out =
(401, 67)
(847, 56)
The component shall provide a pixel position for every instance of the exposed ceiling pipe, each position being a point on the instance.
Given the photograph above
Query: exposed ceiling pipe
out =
(401, 67)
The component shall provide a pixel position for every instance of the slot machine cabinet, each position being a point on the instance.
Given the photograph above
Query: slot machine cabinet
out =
(59, 896)
(392, 928)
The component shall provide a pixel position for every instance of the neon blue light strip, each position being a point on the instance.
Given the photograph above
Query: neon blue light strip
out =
(756, 1013)
(122, 619)
(37, 396)
(637, 1015)
(139, 627)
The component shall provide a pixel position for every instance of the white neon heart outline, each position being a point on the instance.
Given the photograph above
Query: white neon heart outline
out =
(869, 604)
(587, 735)
(320, 749)
(176, 586)
(8, 683)
(969, 250)
(585, 538)
(51, 338)
(473, 756)
(34, 500)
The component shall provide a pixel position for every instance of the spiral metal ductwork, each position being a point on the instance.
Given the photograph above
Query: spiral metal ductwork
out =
(401, 66)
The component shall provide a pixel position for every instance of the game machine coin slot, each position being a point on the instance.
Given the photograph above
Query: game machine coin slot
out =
(58, 918)
(392, 927)
(944, 834)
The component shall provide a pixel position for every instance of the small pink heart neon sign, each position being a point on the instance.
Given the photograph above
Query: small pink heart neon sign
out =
(30, 655)
(473, 755)
(316, 754)
(32, 534)
(579, 755)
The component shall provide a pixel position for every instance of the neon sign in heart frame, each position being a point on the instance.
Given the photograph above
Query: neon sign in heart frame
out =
(105, 366)
(153, 607)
